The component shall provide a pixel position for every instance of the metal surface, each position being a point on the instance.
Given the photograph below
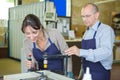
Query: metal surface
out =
(36, 76)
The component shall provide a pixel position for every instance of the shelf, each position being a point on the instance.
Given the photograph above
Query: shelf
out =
(3, 52)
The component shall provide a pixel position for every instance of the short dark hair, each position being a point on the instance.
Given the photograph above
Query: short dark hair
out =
(31, 20)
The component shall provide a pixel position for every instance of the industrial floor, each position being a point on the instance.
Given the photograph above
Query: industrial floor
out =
(10, 66)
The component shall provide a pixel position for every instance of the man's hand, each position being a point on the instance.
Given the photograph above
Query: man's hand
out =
(73, 51)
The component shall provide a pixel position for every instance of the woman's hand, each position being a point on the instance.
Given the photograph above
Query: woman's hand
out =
(28, 64)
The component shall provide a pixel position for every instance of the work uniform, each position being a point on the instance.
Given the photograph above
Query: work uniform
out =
(98, 69)
(55, 45)
(55, 65)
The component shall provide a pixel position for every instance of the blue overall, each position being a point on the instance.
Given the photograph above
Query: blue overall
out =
(55, 65)
(97, 71)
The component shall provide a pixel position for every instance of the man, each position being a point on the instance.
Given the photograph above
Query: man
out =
(96, 46)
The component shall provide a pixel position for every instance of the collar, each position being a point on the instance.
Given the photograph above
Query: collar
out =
(95, 26)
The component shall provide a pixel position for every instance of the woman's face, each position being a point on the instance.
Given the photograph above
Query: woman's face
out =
(31, 33)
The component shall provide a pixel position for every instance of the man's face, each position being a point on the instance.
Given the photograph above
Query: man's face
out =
(89, 15)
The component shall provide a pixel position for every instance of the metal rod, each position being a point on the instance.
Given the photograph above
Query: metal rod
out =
(64, 57)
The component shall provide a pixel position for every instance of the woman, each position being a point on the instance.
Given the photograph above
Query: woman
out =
(40, 41)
